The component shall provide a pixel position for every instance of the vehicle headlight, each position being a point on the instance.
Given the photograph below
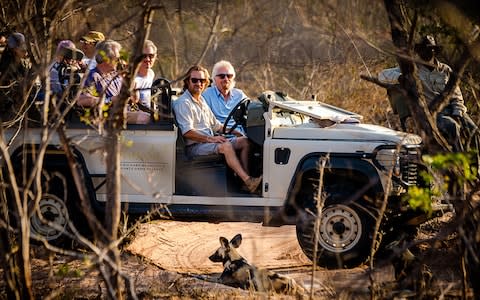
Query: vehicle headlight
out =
(388, 159)
(411, 139)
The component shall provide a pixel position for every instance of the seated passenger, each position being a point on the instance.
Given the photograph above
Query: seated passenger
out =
(222, 96)
(15, 76)
(103, 83)
(88, 43)
(139, 109)
(197, 124)
(3, 41)
(66, 63)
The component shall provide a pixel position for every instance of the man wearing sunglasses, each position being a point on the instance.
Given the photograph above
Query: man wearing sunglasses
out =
(198, 126)
(138, 110)
(222, 96)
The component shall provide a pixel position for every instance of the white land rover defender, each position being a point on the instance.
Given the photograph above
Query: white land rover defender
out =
(363, 164)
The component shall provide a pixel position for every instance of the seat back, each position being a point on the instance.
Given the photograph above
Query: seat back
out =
(182, 153)
(204, 175)
(162, 99)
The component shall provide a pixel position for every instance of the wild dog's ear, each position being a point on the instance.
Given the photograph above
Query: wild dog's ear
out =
(236, 241)
(224, 242)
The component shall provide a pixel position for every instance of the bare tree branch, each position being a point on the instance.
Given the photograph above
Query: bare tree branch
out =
(213, 31)
(422, 117)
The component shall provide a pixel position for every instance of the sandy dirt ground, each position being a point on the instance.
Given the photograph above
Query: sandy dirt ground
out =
(184, 247)
(169, 260)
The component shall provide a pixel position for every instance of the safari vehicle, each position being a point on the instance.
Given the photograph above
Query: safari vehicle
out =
(299, 147)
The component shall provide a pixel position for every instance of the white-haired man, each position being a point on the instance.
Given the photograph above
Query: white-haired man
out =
(222, 96)
(103, 82)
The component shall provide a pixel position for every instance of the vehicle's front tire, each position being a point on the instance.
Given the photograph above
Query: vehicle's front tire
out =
(344, 238)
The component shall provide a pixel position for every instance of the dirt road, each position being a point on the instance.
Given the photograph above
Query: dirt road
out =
(184, 247)
(181, 250)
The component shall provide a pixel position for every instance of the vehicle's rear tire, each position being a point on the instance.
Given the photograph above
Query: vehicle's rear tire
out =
(51, 209)
(345, 235)
(59, 205)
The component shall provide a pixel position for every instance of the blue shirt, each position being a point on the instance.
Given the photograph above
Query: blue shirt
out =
(220, 107)
(98, 84)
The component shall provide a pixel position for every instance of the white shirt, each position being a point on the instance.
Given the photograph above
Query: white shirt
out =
(193, 115)
(91, 63)
(143, 85)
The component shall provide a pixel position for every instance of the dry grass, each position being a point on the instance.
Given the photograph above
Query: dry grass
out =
(332, 83)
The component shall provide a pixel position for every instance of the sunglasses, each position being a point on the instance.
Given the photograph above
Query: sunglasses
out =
(195, 80)
(222, 76)
(151, 56)
(87, 43)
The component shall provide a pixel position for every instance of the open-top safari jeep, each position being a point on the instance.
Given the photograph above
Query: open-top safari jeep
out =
(299, 147)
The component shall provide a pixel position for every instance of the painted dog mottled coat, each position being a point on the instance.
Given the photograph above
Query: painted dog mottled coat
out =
(239, 273)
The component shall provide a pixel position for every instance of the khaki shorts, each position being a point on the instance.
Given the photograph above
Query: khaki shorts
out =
(199, 149)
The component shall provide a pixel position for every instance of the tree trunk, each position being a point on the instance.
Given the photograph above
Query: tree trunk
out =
(15, 254)
(424, 120)
(114, 126)
(6, 259)
(112, 208)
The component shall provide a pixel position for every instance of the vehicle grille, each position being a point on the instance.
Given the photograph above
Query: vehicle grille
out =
(409, 159)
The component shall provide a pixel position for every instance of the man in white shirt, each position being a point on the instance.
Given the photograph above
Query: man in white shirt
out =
(143, 84)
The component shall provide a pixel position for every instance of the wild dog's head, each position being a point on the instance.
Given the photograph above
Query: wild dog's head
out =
(227, 253)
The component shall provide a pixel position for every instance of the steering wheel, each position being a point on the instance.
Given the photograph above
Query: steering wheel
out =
(239, 115)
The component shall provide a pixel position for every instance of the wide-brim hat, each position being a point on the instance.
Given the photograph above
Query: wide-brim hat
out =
(64, 44)
(426, 42)
(93, 37)
(72, 53)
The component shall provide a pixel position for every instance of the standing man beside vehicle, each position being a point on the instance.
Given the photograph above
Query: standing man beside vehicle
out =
(15, 75)
(434, 76)
(222, 96)
(198, 125)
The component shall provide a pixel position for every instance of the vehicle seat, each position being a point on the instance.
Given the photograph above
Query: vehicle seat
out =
(181, 151)
(162, 99)
(204, 175)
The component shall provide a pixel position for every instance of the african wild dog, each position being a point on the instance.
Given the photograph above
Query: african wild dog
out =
(238, 272)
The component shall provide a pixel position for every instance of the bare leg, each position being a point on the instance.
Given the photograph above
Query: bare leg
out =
(232, 161)
(242, 145)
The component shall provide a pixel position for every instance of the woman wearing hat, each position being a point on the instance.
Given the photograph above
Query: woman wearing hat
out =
(66, 62)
